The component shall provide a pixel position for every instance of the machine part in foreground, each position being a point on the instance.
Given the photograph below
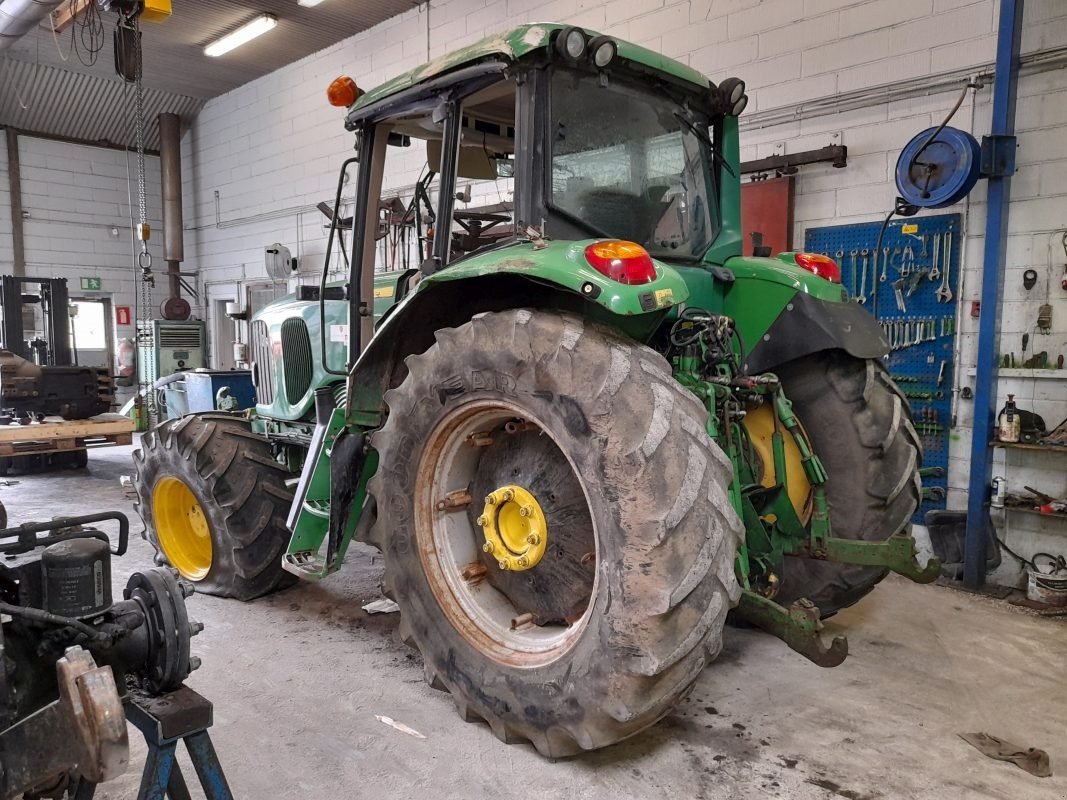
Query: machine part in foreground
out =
(214, 501)
(628, 603)
(29, 391)
(71, 651)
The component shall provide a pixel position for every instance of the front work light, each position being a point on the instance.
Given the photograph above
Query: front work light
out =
(571, 43)
(603, 49)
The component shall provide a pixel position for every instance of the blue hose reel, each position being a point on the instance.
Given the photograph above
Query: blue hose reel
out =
(938, 171)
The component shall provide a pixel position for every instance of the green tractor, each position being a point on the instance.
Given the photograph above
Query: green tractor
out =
(579, 445)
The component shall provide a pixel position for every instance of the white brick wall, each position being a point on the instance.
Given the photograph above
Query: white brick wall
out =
(75, 196)
(6, 253)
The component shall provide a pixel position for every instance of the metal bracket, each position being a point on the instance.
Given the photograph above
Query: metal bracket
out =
(998, 156)
(798, 626)
(897, 553)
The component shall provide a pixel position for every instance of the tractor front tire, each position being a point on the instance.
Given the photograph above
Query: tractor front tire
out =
(214, 504)
(604, 634)
(860, 426)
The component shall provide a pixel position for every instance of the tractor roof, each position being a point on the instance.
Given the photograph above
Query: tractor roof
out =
(514, 45)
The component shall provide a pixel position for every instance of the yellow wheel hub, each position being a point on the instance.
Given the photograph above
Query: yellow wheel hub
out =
(760, 426)
(182, 529)
(514, 527)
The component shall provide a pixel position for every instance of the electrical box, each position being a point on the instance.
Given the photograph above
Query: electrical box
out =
(155, 10)
(168, 346)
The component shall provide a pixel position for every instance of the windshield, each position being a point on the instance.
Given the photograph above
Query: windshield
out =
(630, 164)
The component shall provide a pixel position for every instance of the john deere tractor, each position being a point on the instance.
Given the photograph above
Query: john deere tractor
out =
(580, 445)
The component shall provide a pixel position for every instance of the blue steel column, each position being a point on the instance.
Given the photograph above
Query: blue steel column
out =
(986, 399)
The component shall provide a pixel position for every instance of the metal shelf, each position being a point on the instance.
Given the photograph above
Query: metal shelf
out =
(1033, 512)
(1023, 372)
(1023, 446)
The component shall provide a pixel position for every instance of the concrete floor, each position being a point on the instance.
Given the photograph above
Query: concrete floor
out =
(298, 678)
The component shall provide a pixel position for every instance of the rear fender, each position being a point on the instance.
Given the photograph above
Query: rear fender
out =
(555, 276)
(784, 312)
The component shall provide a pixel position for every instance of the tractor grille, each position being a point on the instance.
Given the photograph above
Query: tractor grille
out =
(262, 363)
(296, 349)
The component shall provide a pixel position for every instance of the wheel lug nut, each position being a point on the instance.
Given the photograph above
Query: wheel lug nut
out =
(508, 495)
(525, 511)
(534, 539)
(524, 561)
(482, 520)
(490, 500)
(503, 565)
(488, 547)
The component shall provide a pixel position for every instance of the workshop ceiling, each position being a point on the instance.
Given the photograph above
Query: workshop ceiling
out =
(42, 93)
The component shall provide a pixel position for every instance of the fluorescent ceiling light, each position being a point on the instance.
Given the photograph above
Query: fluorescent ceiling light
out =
(242, 35)
(308, 3)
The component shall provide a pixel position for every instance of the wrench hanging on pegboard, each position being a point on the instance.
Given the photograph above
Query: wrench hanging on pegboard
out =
(908, 285)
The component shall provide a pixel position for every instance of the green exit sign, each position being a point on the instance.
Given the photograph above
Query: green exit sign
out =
(91, 284)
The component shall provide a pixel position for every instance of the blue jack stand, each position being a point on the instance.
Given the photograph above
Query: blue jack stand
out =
(165, 721)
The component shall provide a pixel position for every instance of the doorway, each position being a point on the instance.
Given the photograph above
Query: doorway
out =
(225, 330)
(92, 338)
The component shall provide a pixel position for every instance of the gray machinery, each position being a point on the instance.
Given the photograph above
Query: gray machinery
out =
(39, 376)
(167, 346)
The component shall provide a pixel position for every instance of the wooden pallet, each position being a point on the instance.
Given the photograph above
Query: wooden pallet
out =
(65, 436)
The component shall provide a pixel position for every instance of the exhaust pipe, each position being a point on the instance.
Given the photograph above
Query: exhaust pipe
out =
(170, 163)
(19, 17)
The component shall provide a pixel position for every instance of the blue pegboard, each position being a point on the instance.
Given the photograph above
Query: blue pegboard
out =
(915, 367)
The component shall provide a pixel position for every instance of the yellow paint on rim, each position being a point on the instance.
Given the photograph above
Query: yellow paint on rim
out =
(181, 527)
(760, 426)
(514, 526)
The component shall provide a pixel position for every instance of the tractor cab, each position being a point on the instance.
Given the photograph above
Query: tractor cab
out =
(553, 134)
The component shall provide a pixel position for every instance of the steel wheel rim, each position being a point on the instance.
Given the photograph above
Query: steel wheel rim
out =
(448, 542)
(181, 527)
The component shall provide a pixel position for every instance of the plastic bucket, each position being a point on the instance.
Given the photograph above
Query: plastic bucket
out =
(1047, 588)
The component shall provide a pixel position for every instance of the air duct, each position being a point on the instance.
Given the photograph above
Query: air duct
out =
(170, 163)
(19, 17)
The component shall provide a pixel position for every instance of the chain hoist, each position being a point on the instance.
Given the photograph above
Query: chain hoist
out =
(144, 231)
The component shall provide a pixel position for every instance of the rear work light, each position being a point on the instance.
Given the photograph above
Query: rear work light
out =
(625, 262)
(818, 264)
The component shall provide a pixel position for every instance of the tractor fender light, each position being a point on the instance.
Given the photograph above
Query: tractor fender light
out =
(732, 92)
(602, 51)
(623, 262)
(343, 92)
(570, 43)
(818, 264)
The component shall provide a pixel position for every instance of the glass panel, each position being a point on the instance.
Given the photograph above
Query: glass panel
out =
(626, 166)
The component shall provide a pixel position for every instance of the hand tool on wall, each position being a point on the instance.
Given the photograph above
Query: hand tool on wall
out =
(885, 264)
(944, 292)
(863, 281)
(935, 273)
(853, 284)
(898, 286)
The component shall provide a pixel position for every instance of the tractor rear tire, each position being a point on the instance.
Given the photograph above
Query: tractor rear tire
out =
(860, 425)
(214, 504)
(618, 452)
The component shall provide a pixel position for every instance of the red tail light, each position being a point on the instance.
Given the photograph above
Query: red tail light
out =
(817, 264)
(625, 262)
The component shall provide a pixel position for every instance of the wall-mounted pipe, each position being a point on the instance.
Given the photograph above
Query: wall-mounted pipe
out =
(170, 163)
(14, 185)
(19, 17)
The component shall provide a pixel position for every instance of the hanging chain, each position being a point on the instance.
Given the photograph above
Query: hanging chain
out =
(144, 259)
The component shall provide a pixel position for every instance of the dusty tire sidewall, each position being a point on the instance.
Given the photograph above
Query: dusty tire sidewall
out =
(457, 661)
